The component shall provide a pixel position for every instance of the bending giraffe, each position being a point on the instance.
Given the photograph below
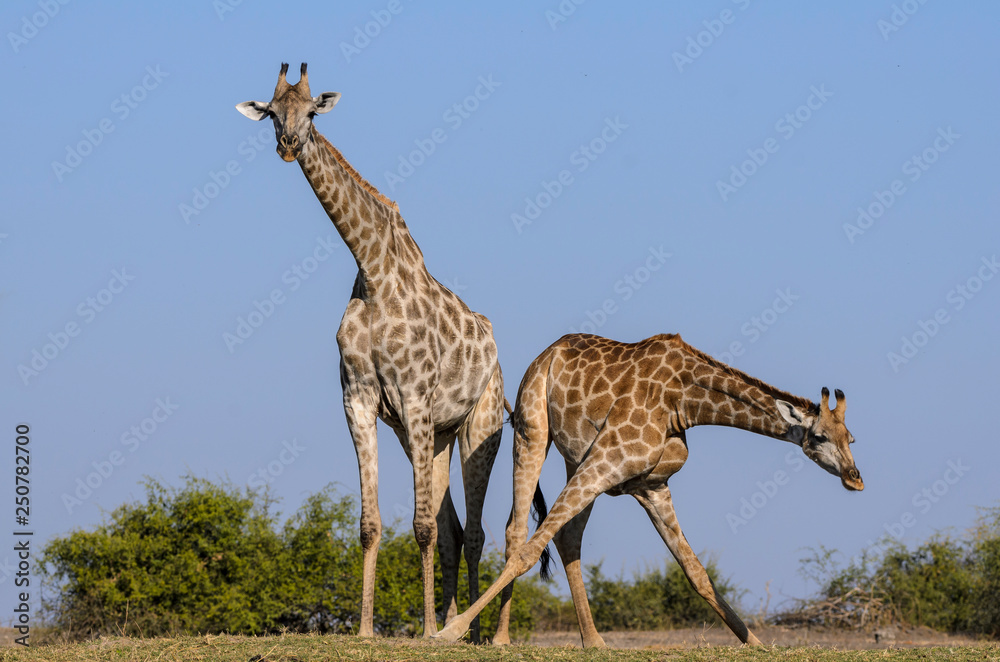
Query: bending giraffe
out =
(411, 353)
(618, 414)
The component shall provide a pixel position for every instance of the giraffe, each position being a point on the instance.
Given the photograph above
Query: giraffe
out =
(411, 353)
(618, 414)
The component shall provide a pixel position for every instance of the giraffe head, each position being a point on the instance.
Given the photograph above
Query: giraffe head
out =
(292, 109)
(824, 437)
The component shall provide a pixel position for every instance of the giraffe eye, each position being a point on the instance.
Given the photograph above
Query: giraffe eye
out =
(821, 438)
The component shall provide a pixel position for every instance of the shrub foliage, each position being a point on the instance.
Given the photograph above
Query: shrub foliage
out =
(653, 600)
(947, 584)
(209, 558)
(206, 558)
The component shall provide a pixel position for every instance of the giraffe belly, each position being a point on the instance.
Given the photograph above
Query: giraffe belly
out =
(453, 403)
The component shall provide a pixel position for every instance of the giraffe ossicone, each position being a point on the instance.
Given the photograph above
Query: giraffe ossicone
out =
(412, 353)
(618, 414)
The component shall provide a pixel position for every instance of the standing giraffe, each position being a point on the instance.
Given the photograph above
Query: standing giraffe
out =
(618, 413)
(411, 353)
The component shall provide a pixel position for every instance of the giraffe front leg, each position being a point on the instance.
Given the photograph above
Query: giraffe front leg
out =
(420, 435)
(449, 528)
(361, 423)
(660, 509)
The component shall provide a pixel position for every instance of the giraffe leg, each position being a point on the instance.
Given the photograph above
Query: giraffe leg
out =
(660, 508)
(449, 527)
(568, 541)
(531, 445)
(361, 423)
(419, 426)
(478, 443)
(595, 476)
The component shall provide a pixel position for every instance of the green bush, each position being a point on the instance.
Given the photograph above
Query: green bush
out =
(206, 558)
(653, 600)
(985, 545)
(947, 584)
(202, 559)
(930, 585)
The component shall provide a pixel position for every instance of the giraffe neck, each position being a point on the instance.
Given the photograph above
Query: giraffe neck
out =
(368, 222)
(721, 395)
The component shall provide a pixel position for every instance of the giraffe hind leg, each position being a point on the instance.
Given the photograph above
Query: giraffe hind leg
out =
(594, 477)
(569, 541)
(531, 444)
(479, 441)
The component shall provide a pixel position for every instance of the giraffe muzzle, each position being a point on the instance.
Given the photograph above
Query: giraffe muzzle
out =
(851, 479)
(288, 148)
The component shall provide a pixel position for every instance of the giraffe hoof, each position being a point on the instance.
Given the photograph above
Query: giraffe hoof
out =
(451, 632)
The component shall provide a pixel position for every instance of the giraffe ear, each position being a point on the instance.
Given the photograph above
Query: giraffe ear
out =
(326, 101)
(255, 110)
(796, 430)
(788, 412)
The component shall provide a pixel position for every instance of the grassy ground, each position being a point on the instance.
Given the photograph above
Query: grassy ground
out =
(304, 648)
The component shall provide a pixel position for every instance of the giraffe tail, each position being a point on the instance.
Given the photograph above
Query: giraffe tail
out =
(540, 512)
(506, 405)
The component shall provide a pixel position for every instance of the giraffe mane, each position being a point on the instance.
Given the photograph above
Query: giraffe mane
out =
(804, 403)
(365, 184)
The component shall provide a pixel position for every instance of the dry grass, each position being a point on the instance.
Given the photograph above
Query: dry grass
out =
(304, 648)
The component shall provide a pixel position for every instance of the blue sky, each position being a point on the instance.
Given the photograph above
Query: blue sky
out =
(807, 193)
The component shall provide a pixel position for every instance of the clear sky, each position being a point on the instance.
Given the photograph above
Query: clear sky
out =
(809, 193)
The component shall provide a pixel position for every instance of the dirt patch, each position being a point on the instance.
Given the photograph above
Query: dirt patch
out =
(715, 636)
